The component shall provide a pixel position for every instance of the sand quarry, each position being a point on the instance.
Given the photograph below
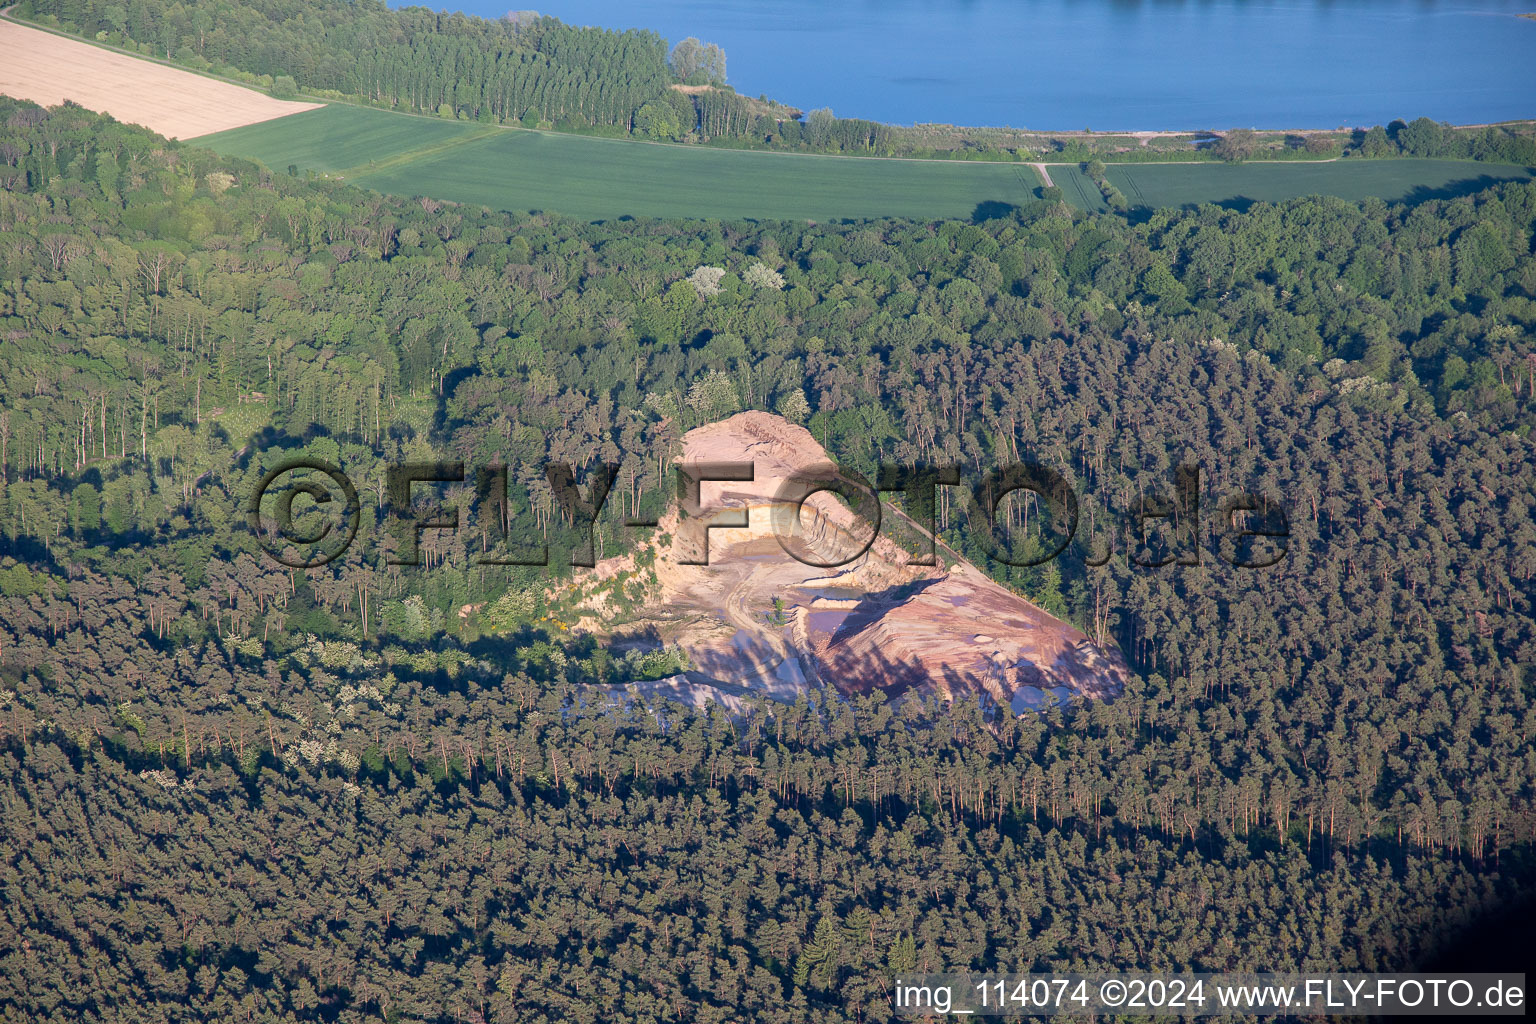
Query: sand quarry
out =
(49, 69)
(876, 623)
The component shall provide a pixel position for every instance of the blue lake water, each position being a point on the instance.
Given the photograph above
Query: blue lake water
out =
(1110, 64)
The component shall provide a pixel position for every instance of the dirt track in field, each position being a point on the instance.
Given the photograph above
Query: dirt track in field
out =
(49, 69)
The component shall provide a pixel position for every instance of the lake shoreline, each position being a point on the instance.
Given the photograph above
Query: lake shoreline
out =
(1214, 133)
(1059, 65)
(953, 143)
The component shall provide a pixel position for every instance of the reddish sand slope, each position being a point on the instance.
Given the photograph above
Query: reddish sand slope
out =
(878, 622)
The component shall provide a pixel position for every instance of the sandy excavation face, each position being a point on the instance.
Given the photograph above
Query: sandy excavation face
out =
(877, 623)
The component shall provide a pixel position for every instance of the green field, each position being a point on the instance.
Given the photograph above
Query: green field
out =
(1241, 185)
(605, 178)
(336, 137)
(1077, 187)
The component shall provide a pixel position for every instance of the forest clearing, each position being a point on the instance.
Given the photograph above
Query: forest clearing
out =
(49, 69)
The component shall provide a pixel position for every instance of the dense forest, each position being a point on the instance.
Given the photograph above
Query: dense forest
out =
(363, 791)
(533, 71)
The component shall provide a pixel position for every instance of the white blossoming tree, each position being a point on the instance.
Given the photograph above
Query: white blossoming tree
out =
(761, 275)
(706, 280)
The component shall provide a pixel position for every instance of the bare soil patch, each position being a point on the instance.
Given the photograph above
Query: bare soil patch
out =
(49, 69)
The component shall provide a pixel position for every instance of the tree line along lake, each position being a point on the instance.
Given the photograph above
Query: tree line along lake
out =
(1110, 64)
